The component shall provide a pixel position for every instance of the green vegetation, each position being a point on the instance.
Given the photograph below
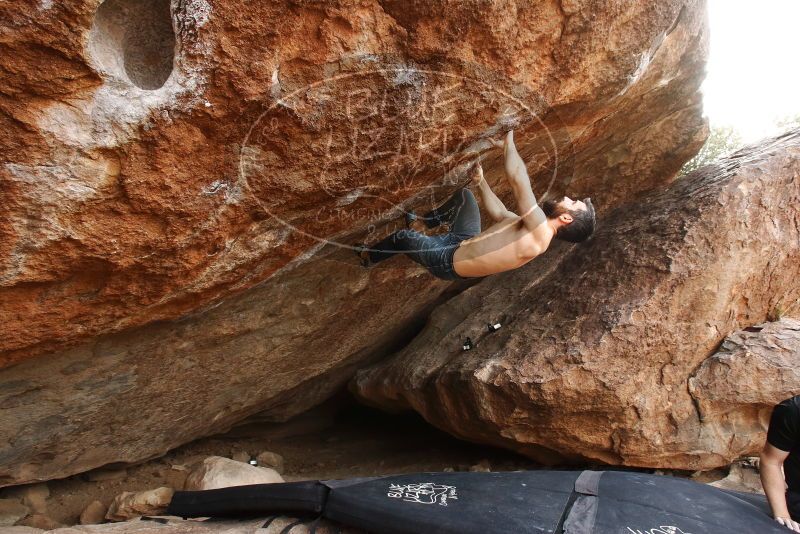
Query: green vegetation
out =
(787, 123)
(721, 141)
(782, 309)
(725, 139)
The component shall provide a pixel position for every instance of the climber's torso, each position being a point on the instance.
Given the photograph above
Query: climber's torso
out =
(504, 246)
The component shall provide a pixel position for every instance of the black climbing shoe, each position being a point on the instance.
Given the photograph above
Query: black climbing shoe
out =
(361, 251)
(410, 218)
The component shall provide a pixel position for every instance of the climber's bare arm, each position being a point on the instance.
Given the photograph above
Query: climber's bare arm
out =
(493, 205)
(517, 175)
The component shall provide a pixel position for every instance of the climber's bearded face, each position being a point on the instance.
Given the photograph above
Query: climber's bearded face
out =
(560, 206)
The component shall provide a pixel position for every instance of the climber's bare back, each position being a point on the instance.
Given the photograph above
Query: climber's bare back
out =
(506, 245)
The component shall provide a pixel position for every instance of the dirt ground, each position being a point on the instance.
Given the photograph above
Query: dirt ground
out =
(338, 440)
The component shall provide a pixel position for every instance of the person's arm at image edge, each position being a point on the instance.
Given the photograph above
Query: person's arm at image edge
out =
(771, 467)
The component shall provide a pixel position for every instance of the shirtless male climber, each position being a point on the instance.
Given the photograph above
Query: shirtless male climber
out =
(514, 240)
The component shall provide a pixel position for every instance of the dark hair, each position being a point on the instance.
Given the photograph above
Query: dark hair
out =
(582, 224)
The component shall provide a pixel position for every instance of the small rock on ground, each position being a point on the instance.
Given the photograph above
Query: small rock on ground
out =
(241, 456)
(481, 467)
(129, 505)
(93, 514)
(741, 477)
(34, 496)
(272, 460)
(218, 472)
(11, 511)
(175, 476)
(40, 521)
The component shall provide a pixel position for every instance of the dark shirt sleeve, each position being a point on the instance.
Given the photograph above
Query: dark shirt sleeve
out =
(783, 427)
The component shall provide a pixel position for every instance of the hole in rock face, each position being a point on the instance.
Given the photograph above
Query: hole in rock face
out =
(134, 40)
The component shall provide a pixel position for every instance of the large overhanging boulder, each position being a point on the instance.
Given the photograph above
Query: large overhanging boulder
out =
(180, 178)
(605, 352)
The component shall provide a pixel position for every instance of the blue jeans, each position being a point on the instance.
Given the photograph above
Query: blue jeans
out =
(435, 252)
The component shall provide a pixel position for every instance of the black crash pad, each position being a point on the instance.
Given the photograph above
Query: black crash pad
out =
(542, 502)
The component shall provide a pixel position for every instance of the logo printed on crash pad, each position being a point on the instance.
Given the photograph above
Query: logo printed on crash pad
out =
(423, 493)
(659, 530)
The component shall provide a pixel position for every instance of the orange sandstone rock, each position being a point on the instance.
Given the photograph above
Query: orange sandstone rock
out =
(181, 181)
